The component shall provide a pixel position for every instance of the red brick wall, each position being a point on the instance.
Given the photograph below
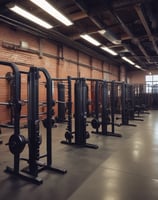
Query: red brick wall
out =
(85, 72)
(114, 73)
(45, 53)
(123, 73)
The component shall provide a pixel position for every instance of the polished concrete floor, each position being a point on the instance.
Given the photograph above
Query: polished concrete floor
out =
(120, 169)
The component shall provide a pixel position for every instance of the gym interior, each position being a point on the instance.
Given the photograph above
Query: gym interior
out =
(79, 100)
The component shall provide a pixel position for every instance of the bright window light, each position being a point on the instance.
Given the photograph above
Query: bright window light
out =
(109, 51)
(127, 60)
(47, 7)
(20, 11)
(137, 66)
(90, 39)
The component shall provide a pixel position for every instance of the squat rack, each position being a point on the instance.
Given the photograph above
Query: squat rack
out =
(17, 142)
(16, 107)
(80, 115)
(106, 118)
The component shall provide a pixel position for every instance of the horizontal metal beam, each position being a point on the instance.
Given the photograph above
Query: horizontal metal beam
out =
(133, 38)
(60, 38)
(144, 22)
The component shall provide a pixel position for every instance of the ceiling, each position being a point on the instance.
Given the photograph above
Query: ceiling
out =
(130, 27)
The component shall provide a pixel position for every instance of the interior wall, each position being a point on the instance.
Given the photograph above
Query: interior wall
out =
(139, 76)
(114, 73)
(59, 60)
(136, 77)
(123, 73)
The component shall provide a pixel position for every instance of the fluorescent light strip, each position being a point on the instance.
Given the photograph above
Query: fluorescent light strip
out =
(102, 32)
(137, 66)
(90, 39)
(109, 51)
(127, 60)
(47, 7)
(29, 16)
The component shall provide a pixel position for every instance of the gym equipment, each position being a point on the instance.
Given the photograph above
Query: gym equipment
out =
(105, 118)
(68, 134)
(80, 133)
(17, 142)
(46, 124)
(61, 103)
(5, 104)
(96, 123)
(88, 102)
(131, 102)
(136, 103)
(11, 81)
(61, 84)
(16, 106)
(125, 102)
(81, 114)
(9, 76)
(145, 98)
(112, 100)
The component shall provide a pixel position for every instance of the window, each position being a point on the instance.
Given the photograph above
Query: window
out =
(151, 83)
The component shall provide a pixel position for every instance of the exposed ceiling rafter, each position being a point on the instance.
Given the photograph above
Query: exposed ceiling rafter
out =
(147, 29)
(126, 27)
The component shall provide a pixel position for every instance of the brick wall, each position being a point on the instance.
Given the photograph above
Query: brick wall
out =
(60, 61)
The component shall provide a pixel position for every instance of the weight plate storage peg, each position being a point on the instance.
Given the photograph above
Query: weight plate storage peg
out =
(9, 76)
(16, 144)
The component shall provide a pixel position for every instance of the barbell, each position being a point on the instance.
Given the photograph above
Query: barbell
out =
(9, 103)
(58, 101)
(6, 103)
(23, 102)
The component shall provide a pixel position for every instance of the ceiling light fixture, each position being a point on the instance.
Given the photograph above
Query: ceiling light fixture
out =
(47, 7)
(90, 39)
(20, 11)
(127, 60)
(137, 66)
(109, 50)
